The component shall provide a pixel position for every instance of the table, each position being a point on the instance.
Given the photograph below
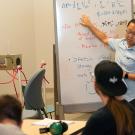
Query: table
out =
(30, 129)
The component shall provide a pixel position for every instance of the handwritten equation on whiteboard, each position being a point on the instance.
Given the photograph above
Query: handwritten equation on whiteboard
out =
(104, 9)
(79, 50)
(85, 70)
(100, 4)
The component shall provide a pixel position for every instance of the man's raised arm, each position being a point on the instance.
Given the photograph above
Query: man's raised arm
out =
(99, 34)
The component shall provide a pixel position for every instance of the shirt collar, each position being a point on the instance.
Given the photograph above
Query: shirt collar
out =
(131, 48)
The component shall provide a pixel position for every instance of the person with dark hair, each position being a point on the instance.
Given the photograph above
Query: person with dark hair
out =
(124, 52)
(10, 116)
(117, 116)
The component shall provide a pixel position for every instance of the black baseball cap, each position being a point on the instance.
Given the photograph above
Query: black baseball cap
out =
(109, 75)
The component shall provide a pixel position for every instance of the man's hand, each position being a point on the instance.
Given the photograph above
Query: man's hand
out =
(85, 21)
(98, 33)
(130, 76)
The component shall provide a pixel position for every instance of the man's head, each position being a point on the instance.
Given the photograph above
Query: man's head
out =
(130, 33)
(108, 77)
(10, 109)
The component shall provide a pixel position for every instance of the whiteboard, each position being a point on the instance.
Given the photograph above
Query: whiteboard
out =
(78, 50)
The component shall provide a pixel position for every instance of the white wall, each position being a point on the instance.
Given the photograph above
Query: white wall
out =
(44, 35)
(17, 35)
(134, 7)
(26, 27)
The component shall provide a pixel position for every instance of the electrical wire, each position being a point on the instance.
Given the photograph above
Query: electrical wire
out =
(7, 82)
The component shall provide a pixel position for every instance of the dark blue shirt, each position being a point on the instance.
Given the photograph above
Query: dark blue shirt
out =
(102, 122)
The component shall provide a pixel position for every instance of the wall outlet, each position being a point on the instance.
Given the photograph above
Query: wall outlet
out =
(10, 62)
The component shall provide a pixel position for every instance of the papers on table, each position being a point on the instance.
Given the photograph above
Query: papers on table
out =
(47, 122)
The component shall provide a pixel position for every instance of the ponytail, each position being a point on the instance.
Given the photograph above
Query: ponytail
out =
(123, 116)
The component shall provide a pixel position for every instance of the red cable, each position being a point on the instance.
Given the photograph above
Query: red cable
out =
(17, 78)
(24, 77)
(46, 80)
(15, 89)
(13, 76)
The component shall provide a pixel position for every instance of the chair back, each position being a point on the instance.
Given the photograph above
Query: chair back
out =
(33, 91)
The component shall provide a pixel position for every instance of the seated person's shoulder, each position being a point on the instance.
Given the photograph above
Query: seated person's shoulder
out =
(97, 123)
(102, 114)
(10, 129)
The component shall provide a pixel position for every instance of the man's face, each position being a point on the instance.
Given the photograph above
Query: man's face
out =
(130, 35)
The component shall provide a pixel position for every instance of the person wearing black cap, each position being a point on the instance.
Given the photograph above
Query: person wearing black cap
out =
(117, 116)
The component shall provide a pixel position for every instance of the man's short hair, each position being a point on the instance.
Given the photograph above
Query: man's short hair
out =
(11, 108)
(131, 21)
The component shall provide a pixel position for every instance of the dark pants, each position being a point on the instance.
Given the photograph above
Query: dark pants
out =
(133, 102)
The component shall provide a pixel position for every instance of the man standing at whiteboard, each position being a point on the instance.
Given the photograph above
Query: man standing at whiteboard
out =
(124, 52)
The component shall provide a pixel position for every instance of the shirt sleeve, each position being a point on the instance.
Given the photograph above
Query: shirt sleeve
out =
(114, 43)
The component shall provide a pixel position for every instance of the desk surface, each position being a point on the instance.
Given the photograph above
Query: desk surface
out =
(30, 129)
